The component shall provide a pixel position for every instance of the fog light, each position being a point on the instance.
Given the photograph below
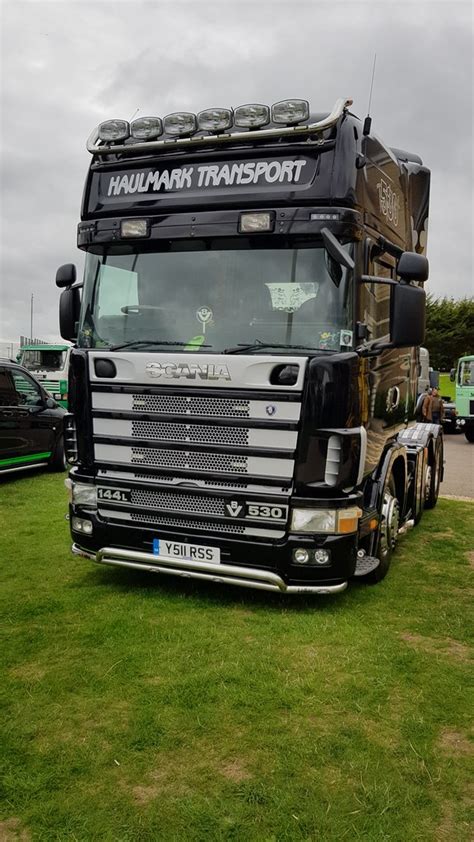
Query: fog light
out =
(80, 524)
(322, 556)
(134, 228)
(300, 556)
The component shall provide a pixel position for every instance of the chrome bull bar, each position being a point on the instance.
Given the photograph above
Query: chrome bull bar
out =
(223, 574)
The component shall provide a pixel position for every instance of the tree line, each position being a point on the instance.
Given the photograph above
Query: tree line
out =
(449, 330)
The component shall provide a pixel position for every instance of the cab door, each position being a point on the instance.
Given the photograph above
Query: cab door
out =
(392, 372)
(26, 432)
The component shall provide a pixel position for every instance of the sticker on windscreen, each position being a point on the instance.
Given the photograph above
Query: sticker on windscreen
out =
(289, 297)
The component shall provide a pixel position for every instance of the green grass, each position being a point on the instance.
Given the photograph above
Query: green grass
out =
(138, 708)
(446, 387)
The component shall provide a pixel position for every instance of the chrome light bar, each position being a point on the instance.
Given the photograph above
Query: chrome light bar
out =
(94, 147)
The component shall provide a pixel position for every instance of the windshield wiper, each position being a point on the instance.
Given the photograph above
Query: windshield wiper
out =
(240, 349)
(158, 342)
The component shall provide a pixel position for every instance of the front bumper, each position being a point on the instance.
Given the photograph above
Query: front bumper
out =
(229, 574)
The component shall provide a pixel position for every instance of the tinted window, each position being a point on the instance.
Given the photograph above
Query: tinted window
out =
(27, 392)
(8, 395)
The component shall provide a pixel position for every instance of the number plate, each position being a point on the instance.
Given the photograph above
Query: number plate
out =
(189, 552)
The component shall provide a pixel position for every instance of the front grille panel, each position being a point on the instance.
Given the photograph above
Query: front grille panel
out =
(193, 433)
(188, 439)
(192, 503)
(221, 463)
(184, 405)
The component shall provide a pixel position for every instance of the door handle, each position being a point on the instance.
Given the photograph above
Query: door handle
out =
(394, 397)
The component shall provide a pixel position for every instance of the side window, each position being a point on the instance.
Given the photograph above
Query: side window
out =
(8, 396)
(375, 298)
(27, 392)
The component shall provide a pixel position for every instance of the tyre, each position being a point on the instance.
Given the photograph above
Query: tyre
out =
(58, 458)
(387, 533)
(433, 475)
(469, 433)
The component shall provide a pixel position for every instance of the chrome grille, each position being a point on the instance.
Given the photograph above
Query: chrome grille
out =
(181, 405)
(193, 503)
(196, 433)
(208, 462)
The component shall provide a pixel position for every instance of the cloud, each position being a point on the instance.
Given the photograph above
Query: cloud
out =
(82, 62)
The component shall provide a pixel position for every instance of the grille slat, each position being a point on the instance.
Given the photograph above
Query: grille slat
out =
(183, 405)
(192, 433)
(193, 461)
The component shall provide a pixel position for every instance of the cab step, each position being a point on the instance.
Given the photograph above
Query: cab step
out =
(365, 564)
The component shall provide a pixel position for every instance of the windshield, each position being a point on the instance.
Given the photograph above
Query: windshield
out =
(44, 360)
(216, 295)
(466, 373)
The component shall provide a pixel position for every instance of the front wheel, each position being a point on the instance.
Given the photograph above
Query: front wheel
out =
(387, 533)
(469, 433)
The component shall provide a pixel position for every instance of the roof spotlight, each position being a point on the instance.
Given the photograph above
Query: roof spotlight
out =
(146, 128)
(114, 130)
(215, 119)
(180, 123)
(252, 116)
(290, 111)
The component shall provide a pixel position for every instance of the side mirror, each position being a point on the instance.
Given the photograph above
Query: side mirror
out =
(69, 309)
(407, 316)
(412, 267)
(66, 275)
(50, 403)
(434, 379)
(452, 375)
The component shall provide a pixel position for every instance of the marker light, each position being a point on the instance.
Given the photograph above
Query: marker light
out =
(180, 123)
(215, 119)
(315, 216)
(290, 111)
(114, 130)
(134, 228)
(252, 116)
(146, 128)
(256, 222)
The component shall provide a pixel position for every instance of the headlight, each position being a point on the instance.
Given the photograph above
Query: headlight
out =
(329, 521)
(84, 495)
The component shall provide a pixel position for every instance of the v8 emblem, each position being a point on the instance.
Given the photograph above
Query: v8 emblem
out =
(234, 508)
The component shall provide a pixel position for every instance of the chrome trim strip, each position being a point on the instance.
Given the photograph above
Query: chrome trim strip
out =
(259, 134)
(220, 573)
(22, 468)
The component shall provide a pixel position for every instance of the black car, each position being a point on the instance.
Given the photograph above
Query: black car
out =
(450, 421)
(31, 422)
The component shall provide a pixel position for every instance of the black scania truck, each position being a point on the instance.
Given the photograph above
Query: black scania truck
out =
(244, 375)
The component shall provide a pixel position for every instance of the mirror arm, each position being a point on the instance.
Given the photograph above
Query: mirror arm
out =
(375, 279)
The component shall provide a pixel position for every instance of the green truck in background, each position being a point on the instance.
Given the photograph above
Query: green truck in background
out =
(49, 364)
(463, 376)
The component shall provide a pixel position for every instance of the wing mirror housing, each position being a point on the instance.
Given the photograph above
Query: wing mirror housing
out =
(69, 309)
(66, 275)
(407, 315)
(413, 267)
(452, 375)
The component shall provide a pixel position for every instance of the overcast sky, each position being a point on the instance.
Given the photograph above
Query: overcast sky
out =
(67, 65)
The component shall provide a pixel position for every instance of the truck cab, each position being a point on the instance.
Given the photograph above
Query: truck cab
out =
(463, 376)
(244, 377)
(50, 365)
